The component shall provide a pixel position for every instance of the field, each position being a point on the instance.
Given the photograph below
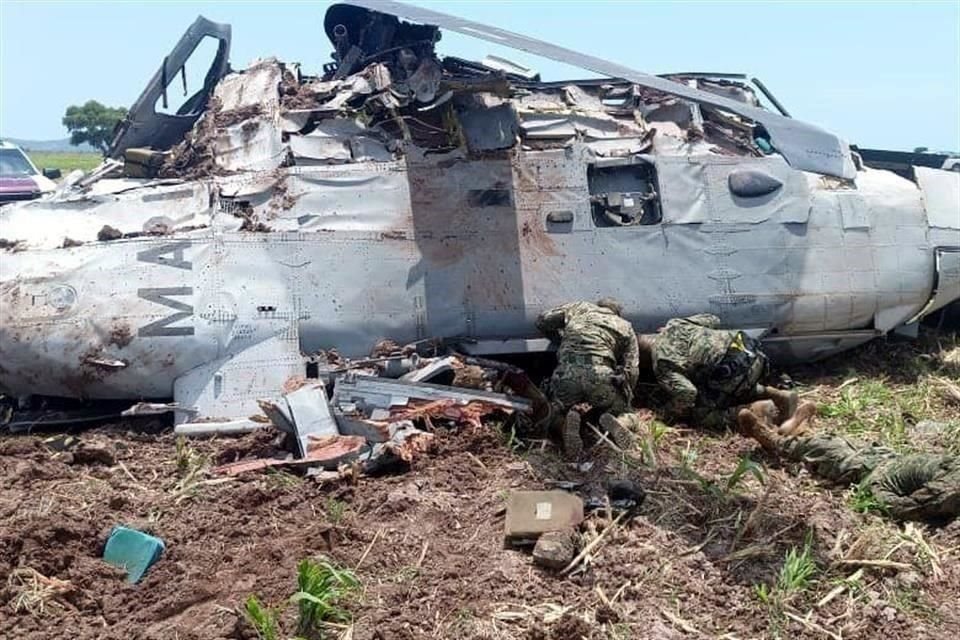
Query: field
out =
(729, 543)
(65, 161)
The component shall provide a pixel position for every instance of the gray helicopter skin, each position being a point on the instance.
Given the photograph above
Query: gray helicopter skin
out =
(413, 198)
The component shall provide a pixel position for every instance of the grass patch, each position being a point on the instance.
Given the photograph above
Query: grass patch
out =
(336, 510)
(797, 571)
(263, 619)
(887, 387)
(744, 467)
(322, 590)
(796, 574)
(66, 161)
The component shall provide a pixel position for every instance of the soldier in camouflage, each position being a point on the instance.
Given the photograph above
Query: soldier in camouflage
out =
(918, 486)
(597, 364)
(708, 371)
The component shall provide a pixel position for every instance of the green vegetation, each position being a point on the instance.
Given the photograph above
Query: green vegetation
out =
(65, 161)
(745, 466)
(797, 571)
(322, 590)
(335, 509)
(862, 500)
(796, 574)
(912, 601)
(263, 619)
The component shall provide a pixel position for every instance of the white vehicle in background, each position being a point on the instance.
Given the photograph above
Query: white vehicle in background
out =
(19, 177)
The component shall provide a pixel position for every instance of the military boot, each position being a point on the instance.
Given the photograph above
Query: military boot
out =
(618, 429)
(798, 423)
(752, 426)
(786, 401)
(572, 442)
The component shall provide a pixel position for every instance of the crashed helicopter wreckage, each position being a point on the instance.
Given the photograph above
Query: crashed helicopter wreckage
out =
(406, 195)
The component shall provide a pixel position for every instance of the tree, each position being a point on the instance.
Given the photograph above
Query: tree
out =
(92, 123)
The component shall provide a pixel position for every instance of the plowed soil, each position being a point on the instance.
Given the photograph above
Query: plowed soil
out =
(428, 546)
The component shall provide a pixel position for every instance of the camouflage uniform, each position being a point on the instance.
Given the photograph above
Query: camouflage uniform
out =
(598, 357)
(916, 486)
(705, 369)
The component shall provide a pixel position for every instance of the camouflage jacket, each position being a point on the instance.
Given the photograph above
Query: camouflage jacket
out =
(685, 355)
(588, 332)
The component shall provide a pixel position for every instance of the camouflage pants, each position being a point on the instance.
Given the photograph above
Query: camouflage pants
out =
(572, 384)
(916, 486)
(714, 418)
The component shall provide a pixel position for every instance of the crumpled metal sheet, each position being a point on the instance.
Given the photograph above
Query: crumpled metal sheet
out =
(338, 140)
(804, 146)
(357, 196)
(157, 209)
(253, 143)
(386, 394)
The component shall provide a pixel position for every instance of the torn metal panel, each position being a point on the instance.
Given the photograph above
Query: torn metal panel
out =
(151, 210)
(804, 146)
(357, 196)
(947, 284)
(381, 393)
(440, 371)
(303, 413)
(247, 119)
(320, 148)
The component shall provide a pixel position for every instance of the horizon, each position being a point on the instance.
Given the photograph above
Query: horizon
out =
(913, 49)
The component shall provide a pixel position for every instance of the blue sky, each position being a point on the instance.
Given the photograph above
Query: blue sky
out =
(879, 74)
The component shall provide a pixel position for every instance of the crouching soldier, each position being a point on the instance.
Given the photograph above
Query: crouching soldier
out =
(597, 364)
(709, 371)
(918, 486)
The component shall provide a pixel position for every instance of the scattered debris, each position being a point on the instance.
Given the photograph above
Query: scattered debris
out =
(532, 513)
(133, 551)
(304, 414)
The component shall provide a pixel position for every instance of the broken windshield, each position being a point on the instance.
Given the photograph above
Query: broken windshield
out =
(14, 163)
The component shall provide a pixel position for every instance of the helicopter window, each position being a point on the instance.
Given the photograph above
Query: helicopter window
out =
(624, 195)
(185, 86)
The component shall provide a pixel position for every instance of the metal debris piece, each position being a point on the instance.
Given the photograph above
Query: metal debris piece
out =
(105, 363)
(217, 427)
(151, 409)
(304, 414)
(370, 393)
(328, 452)
(440, 371)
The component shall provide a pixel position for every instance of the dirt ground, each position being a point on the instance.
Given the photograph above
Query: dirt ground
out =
(703, 557)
